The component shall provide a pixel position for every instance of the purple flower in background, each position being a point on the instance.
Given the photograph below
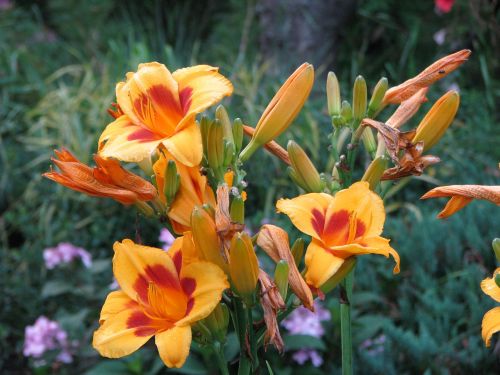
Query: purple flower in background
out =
(167, 238)
(374, 347)
(46, 335)
(305, 322)
(6, 4)
(65, 253)
(303, 355)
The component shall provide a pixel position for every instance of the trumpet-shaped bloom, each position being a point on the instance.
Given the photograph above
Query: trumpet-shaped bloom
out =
(194, 190)
(159, 107)
(160, 296)
(462, 195)
(491, 320)
(107, 179)
(346, 225)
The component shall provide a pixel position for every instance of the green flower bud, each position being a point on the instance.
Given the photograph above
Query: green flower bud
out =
(378, 94)
(281, 277)
(333, 94)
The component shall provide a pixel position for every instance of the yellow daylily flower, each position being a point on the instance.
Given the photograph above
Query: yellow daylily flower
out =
(160, 296)
(194, 190)
(159, 107)
(348, 224)
(491, 320)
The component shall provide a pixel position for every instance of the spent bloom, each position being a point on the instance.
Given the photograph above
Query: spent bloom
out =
(303, 321)
(65, 253)
(46, 335)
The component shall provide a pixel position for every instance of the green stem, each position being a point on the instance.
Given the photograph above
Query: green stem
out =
(252, 339)
(219, 356)
(240, 326)
(345, 323)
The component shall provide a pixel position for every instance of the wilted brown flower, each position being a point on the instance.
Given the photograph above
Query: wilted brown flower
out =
(274, 241)
(273, 147)
(462, 195)
(407, 109)
(226, 228)
(271, 302)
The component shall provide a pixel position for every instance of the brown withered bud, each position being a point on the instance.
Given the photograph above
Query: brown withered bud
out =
(274, 241)
(272, 303)
(225, 227)
(407, 109)
(412, 162)
(273, 147)
(427, 77)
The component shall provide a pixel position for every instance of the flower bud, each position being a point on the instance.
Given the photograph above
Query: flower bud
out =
(281, 277)
(237, 210)
(237, 134)
(223, 117)
(378, 94)
(437, 120)
(375, 170)
(304, 170)
(282, 109)
(333, 94)
(342, 272)
(496, 248)
(215, 149)
(369, 142)
(298, 250)
(359, 98)
(205, 124)
(172, 182)
(205, 237)
(243, 267)
(228, 153)
(346, 112)
(217, 322)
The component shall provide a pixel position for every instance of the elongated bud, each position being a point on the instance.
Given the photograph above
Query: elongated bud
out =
(237, 210)
(281, 277)
(282, 109)
(346, 112)
(209, 210)
(437, 120)
(359, 99)
(172, 182)
(298, 250)
(217, 322)
(375, 170)
(343, 271)
(215, 149)
(223, 117)
(243, 267)
(333, 94)
(228, 153)
(375, 104)
(369, 142)
(206, 238)
(205, 124)
(496, 248)
(304, 169)
(238, 135)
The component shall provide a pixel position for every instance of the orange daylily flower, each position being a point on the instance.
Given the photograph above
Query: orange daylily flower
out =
(160, 107)
(160, 296)
(194, 190)
(427, 77)
(462, 195)
(491, 320)
(348, 224)
(108, 179)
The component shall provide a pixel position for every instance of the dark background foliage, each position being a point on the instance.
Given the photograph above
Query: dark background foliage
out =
(59, 62)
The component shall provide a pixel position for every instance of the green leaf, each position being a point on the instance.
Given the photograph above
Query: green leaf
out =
(296, 342)
(108, 368)
(55, 288)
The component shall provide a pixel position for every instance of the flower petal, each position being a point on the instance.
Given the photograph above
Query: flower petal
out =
(127, 142)
(173, 345)
(200, 87)
(185, 145)
(490, 287)
(490, 324)
(366, 205)
(307, 212)
(150, 97)
(320, 264)
(123, 333)
(115, 303)
(369, 245)
(205, 283)
(136, 266)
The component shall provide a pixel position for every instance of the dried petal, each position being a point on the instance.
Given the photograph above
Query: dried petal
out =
(271, 302)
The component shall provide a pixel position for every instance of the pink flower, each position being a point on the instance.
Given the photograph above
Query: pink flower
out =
(444, 6)
(65, 253)
(167, 238)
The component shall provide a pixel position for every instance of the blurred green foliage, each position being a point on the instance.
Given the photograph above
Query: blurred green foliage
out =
(59, 62)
